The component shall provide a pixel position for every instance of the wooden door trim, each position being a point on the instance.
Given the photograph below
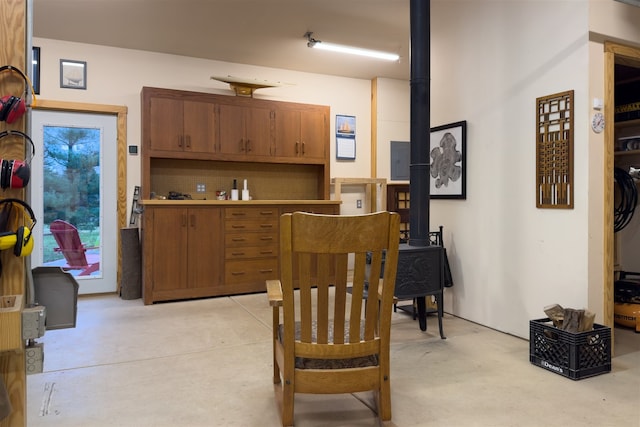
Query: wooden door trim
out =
(121, 113)
(612, 52)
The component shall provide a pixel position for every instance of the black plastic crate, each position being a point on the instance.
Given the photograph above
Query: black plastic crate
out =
(573, 355)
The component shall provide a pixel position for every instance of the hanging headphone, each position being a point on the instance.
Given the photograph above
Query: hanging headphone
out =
(19, 240)
(13, 107)
(15, 173)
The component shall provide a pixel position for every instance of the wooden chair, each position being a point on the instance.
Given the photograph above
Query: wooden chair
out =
(74, 252)
(330, 338)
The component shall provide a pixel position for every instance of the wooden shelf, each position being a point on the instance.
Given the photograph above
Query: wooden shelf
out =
(627, 153)
(627, 123)
(370, 188)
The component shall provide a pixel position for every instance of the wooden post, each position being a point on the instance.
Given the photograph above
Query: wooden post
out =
(13, 48)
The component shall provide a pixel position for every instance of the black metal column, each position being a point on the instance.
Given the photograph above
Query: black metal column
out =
(420, 124)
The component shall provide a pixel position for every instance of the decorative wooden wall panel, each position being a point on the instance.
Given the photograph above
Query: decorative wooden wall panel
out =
(554, 151)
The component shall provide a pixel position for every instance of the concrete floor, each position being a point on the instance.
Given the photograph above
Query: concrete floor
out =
(208, 363)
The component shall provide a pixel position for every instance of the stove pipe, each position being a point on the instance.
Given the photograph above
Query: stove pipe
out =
(420, 126)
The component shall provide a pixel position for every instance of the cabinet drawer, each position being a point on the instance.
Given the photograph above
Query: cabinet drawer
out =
(232, 240)
(256, 271)
(247, 213)
(251, 252)
(251, 225)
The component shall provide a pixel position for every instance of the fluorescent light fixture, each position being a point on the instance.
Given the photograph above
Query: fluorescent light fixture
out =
(318, 44)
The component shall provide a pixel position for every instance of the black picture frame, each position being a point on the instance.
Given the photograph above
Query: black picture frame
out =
(35, 76)
(448, 161)
(73, 74)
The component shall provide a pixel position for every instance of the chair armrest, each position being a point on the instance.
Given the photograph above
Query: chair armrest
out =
(274, 292)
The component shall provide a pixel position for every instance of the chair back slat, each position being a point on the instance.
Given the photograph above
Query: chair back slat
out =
(68, 240)
(325, 249)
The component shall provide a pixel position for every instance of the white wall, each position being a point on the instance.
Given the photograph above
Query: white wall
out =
(490, 61)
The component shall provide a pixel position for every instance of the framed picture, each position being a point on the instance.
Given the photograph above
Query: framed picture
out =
(35, 76)
(73, 74)
(447, 156)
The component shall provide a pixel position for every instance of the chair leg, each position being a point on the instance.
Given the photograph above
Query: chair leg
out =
(276, 321)
(287, 404)
(384, 401)
(440, 302)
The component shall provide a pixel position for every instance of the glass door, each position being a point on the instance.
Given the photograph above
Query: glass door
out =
(74, 196)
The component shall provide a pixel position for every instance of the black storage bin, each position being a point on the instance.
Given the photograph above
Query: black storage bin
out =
(573, 355)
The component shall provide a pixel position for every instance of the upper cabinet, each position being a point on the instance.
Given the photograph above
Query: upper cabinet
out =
(229, 137)
(181, 126)
(301, 133)
(246, 131)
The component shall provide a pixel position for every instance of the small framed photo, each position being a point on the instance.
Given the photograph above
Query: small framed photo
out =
(35, 76)
(448, 163)
(73, 74)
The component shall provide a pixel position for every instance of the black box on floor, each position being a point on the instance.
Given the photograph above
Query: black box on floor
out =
(573, 355)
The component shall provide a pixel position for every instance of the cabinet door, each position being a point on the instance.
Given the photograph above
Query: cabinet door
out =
(288, 133)
(169, 250)
(258, 131)
(312, 134)
(245, 131)
(231, 129)
(205, 251)
(199, 131)
(300, 134)
(166, 129)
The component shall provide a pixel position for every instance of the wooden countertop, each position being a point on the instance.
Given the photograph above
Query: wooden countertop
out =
(149, 202)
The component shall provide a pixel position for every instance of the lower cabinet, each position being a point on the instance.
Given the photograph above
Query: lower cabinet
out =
(180, 247)
(251, 248)
(194, 252)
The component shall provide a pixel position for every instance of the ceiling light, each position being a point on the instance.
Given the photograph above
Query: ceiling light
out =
(319, 44)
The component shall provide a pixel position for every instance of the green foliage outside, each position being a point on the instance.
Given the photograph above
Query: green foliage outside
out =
(71, 183)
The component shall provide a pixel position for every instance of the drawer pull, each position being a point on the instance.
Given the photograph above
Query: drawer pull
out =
(237, 273)
(269, 270)
(238, 239)
(266, 238)
(266, 225)
(237, 226)
(237, 253)
(266, 252)
(266, 212)
(238, 213)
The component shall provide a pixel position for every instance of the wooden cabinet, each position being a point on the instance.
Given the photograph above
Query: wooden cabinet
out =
(194, 250)
(301, 133)
(180, 252)
(398, 200)
(251, 247)
(246, 131)
(182, 125)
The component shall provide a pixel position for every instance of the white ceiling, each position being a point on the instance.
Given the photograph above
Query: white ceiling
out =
(260, 32)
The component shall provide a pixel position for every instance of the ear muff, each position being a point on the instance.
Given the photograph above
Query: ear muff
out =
(14, 107)
(15, 173)
(21, 240)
